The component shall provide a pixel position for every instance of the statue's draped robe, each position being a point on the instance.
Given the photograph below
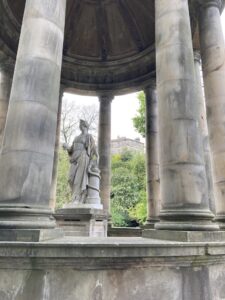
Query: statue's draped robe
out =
(80, 153)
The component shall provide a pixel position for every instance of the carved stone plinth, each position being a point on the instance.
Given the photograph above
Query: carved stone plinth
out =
(82, 221)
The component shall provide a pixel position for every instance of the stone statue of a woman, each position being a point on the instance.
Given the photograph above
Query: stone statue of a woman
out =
(83, 157)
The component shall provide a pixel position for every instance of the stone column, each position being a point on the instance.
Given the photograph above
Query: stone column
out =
(213, 63)
(104, 149)
(152, 156)
(204, 129)
(6, 72)
(52, 202)
(27, 154)
(183, 183)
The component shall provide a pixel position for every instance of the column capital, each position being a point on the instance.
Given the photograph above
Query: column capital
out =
(210, 3)
(106, 97)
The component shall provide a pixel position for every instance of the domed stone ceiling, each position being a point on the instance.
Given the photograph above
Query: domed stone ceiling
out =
(109, 44)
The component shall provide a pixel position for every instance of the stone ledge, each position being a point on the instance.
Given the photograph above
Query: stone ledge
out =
(108, 253)
(185, 236)
(29, 235)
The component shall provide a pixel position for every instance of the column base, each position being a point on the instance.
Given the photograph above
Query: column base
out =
(187, 226)
(150, 223)
(220, 221)
(188, 220)
(30, 235)
(82, 221)
(26, 217)
(184, 236)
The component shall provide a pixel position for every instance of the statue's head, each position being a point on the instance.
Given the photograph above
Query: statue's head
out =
(83, 124)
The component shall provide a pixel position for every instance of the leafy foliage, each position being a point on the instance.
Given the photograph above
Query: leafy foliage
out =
(128, 196)
(139, 211)
(128, 189)
(63, 194)
(139, 119)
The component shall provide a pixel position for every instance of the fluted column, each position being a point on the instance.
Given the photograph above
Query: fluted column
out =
(6, 72)
(152, 156)
(213, 63)
(183, 183)
(104, 149)
(27, 155)
(204, 129)
(52, 202)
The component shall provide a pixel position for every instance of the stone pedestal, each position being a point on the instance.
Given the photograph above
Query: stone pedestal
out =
(82, 221)
(152, 157)
(213, 63)
(26, 160)
(183, 183)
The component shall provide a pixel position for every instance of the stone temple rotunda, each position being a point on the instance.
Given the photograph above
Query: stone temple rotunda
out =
(108, 48)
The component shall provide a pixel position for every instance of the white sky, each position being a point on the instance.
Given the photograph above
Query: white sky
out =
(124, 109)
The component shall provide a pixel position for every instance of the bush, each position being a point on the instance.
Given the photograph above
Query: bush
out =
(128, 197)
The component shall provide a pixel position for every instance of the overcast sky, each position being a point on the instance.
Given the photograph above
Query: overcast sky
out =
(123, 109)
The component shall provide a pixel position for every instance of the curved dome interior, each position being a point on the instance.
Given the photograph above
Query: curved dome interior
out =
(108, 45)
(103, 30)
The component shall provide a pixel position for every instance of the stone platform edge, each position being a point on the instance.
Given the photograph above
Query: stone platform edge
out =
(108, 253)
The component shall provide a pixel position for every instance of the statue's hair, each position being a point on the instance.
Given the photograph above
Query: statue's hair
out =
(84, 123)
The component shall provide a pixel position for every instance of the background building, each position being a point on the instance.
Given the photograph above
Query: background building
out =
(122, 143)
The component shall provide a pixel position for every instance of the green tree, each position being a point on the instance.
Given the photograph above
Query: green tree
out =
(63, 194)
(139, 119)
(128, 188)
(139, 211)
(128, 201)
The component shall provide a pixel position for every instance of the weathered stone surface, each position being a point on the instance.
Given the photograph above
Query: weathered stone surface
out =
(27, 154)
(152, 156)
(204, 130)
(5, 88)
(213, 55)
(184, 236)
(182, 171)
(30, 235)
(52, 201)
(112, 268)
(82, 221)
(104, 148)
(124, 231)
